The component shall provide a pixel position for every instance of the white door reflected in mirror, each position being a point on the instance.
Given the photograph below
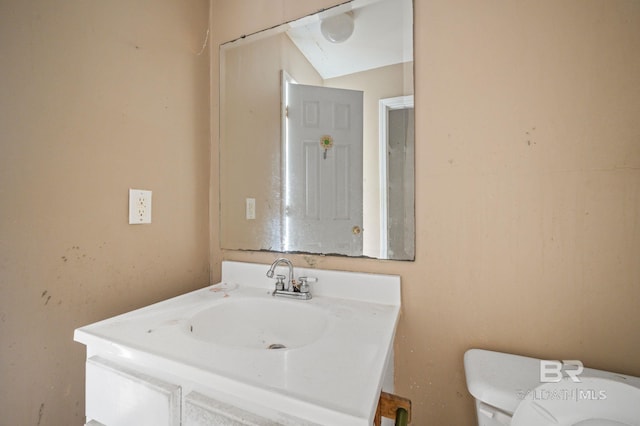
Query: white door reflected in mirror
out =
(323, 170)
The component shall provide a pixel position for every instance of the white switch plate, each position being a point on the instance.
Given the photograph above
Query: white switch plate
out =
(139, 206)
(251, 208)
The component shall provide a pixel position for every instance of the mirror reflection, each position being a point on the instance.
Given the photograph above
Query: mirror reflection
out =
(317, 134)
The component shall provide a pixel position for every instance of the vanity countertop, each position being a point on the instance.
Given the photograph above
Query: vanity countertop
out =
(333, 377)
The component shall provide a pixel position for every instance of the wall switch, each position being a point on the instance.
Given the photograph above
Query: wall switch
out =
(251, 208)
(139, 206)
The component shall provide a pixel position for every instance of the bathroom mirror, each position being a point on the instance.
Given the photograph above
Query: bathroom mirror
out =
(317, 134)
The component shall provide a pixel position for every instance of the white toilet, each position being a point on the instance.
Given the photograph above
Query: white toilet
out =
(508, 391)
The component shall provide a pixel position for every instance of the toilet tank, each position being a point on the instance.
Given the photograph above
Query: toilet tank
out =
(499, 382)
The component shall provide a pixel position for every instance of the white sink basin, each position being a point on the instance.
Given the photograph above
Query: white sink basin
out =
(251, 323)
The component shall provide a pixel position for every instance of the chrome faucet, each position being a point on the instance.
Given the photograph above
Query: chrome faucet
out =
(291, 288)
(287, 262)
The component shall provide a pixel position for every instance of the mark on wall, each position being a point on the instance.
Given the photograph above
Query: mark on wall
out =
(45, 294)
(529, 136)
(74, 251)
(311, 261)
(40, 413)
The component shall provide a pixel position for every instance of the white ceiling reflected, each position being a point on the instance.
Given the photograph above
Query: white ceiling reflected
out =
(380, 27)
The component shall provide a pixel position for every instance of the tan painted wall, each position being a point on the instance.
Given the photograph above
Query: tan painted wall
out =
(528, 183)
(527, 187)
(95, 97)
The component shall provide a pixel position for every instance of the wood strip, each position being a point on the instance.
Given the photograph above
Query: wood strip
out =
(389, 404)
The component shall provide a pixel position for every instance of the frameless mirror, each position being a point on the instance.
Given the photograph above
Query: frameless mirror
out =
(317, 134)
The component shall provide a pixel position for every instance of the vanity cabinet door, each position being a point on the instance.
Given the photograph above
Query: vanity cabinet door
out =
(117, 395)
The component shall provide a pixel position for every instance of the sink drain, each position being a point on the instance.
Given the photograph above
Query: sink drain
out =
(276, 346)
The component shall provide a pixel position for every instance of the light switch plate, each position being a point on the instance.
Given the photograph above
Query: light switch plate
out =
(139, 206)
(250, 212)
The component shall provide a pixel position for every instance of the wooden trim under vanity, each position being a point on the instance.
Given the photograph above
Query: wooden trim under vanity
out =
(388, 406)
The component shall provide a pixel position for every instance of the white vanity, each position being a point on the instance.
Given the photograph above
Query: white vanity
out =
(233, 354)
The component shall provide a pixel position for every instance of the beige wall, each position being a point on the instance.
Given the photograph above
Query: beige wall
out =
(527, 184)
(527, 187)
(95, 97)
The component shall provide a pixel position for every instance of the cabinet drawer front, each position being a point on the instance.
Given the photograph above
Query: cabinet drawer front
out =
(204, 411)
(201, 410)
(120, 396)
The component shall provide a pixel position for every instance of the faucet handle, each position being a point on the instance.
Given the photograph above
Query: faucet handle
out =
(304, 283)
(280, 282)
